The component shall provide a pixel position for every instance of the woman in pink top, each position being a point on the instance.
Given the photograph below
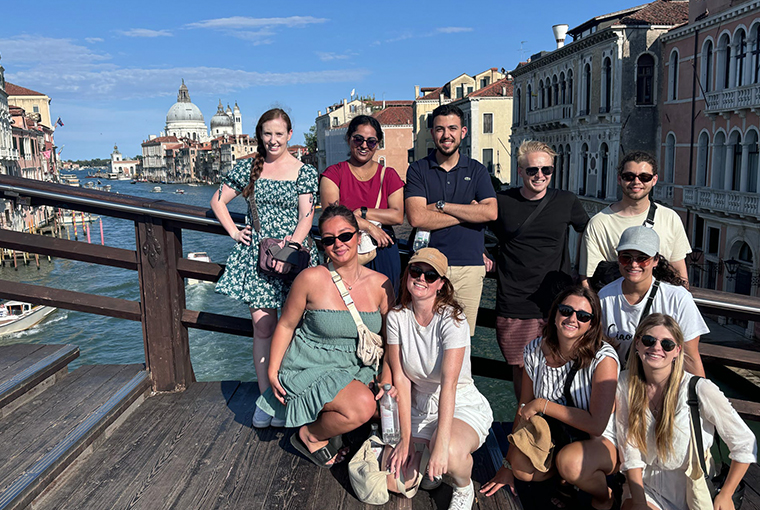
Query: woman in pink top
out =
(356, 183)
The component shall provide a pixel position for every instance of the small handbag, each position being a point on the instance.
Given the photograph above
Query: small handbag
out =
(714, 484)
(369, 348)
(367, 244)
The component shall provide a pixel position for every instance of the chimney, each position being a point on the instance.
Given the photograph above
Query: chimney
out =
(383, 104)
(560, 32)
(416, 91)
(319, 113)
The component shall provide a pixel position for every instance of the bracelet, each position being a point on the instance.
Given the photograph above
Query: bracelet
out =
(506, 464)
(545, 405)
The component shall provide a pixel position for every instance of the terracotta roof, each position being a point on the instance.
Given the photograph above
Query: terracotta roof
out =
(15, 90)
(392, 103)
(660, 12)
(394, 115)
(173, 146)
(495, 89)
(161, 139)
(433, 94)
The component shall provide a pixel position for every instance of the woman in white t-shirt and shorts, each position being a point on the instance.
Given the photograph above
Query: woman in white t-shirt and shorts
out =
(429, 353)
(646, 276)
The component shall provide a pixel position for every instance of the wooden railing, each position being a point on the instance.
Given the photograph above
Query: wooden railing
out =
(161, 270)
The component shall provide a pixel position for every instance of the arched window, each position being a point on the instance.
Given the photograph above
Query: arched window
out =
(529, 99)
(566, 170)
(587, 88)
(548, 93)
(673, 75)
(605, 157)
(707, 66)
(752, 160)
(518, 103)
(717, 180)
(645, 80)
(724, 65)
(563, 88)
(702, 158)
(670, 157)
(542, 94)
(607, 76)
(741, 55)
(559, 166)
(734, 151)
(583, 177)
(555, 86)
(570, 86)
(756, 53)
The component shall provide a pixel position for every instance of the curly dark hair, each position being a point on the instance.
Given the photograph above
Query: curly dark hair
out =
(444, 299)
(665, 272)
(362, 120)
(261, 151)
(590, 343)
(638, 157)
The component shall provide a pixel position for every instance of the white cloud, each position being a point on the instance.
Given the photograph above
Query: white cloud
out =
(244, 22)
(325, 56)
(145, 32)
(93, 40)
(453, 30)
(25, 51)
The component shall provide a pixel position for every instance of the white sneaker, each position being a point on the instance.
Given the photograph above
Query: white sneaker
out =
(277, 422)
(463, 498)
(427, 485)
(261, 419)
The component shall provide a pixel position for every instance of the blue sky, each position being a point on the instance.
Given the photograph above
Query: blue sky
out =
(113, 69)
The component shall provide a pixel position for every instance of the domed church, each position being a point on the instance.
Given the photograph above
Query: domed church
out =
(227, 122)
(184, 119)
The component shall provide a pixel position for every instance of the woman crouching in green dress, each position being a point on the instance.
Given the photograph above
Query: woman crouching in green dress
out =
(317, 381)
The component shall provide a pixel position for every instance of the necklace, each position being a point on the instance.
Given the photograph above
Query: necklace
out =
(350, 287)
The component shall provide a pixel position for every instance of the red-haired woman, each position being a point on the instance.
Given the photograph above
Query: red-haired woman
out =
(280, 191)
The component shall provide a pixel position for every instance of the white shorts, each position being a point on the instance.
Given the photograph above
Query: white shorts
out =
(471, 407)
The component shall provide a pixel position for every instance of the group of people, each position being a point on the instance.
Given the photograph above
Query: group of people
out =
(566, 344)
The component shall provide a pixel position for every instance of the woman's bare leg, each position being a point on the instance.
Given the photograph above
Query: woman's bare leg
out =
(264, 322)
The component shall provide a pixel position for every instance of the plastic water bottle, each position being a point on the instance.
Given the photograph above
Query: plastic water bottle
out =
(421, 240)
(389, 418)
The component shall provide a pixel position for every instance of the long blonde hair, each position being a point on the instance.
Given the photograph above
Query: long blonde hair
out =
(638, 402)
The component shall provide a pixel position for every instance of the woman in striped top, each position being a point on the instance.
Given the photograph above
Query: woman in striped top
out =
(582, 431)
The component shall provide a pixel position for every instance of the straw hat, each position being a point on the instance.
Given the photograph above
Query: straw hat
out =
(534, 439)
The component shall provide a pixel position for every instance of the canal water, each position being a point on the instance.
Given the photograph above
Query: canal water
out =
(215, 356)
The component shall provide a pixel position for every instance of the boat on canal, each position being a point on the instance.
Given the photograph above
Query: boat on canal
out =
(203, 257)
(156, 189)
(18, 316)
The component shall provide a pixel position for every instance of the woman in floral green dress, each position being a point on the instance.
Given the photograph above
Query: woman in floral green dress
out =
(282, 190)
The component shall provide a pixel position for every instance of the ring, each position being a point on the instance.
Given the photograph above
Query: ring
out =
(522, 405)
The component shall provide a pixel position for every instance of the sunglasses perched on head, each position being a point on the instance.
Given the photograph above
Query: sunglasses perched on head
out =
(666, 343)
(642, 260)
(533, 170)
(630, 176)
(358, 140)
(416, 271)
(343, 238)
(581, 315)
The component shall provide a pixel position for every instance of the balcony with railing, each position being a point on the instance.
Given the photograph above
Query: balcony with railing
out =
(734, 99)
(728, 202)
(554, 117)
(663, 193)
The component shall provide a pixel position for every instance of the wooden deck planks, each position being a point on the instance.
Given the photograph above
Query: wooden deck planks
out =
(15, 354)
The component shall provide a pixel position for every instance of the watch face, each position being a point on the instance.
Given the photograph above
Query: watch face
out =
(440, 204)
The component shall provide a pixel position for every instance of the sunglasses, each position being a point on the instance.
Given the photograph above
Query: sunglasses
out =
(630, 176)
(343, 238)
(666, 343)
(430, 276)
(642, 260)
(581, 315)
(358, 140)
(533, 170)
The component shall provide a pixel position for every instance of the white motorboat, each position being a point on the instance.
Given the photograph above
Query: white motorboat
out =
(156, 189)
(203, 257)
(18, 316)
(66, 218)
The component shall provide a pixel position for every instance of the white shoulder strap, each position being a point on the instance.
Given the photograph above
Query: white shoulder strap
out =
(346, 296)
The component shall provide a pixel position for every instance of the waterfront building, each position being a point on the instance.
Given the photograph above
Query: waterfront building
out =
(488, 117)
(154, 157)
(427, 99)
(596, 97)
(334, 117)
(709, 142)
(395, 118)
(36, 104)
(120, 167)
(8, 154)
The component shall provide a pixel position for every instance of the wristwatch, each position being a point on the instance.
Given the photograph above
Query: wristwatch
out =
(439, 205)
(364, 213)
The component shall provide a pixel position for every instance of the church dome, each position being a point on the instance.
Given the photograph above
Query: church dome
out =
(221, 119)
(183, 110)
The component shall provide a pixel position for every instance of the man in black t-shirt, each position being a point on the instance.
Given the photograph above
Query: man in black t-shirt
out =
(533, 264)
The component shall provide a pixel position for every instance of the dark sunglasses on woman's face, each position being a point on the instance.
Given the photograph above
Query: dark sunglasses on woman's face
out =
(630, 176)
(358, 140)
(666, 343)
(581, 315)
(533, 170)
(343, 238)
(642, 260)
(430, 276)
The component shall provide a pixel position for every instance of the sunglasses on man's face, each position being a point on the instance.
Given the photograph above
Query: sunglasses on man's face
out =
(666, 343)
(630, 176)
(581, 315)
(533, 170)
(642, 260)
(416, 271)
(358, 140)
(343, 238)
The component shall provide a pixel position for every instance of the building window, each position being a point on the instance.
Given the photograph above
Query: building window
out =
(741, 54)
(725, 65)
(541, 93)
(518, 105)
(587, 85)
(469, 90)
(563, 88)
(429, 121)
(736, 162)
(752, 161)
(584, 170)
(460, 92)
(488, 123)
(529, 99)
(381, 160)
(756, 53)
(607, 71)
(713, 240)
(670, 158)
(570, 87)
(702, 158)
(604, 155)
(484, 82)
(488, 160)
(555, 86)
(707, 66)
(548, 93)
(673, 75)
(645, 80)
(36, 109)
(719, 161)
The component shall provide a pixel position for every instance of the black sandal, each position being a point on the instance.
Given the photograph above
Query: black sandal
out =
(322, 456)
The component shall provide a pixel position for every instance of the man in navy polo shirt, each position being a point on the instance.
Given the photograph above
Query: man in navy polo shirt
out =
(452, 196)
